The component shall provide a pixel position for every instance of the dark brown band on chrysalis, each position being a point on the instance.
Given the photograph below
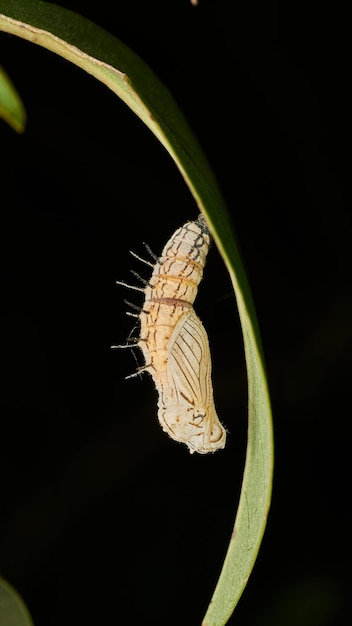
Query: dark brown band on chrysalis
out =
(172, 302)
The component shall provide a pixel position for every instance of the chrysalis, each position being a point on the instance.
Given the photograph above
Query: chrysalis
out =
(175, 344)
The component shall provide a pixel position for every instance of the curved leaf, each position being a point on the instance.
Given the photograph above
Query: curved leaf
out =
(114, 64)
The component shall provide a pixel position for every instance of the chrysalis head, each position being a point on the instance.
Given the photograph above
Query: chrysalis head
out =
(200, 430)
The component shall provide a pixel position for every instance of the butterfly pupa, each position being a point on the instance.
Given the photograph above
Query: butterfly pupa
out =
(175, 344)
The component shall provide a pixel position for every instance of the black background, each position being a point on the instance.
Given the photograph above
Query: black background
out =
(104, 520)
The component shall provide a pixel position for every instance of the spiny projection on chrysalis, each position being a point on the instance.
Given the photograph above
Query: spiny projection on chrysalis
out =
(174, 342)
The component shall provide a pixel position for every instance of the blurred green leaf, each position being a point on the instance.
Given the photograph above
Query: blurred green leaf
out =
(121, 70)
(11, 105)
(13, 611)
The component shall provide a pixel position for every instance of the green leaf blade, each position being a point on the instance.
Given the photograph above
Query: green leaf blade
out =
(254, 500)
